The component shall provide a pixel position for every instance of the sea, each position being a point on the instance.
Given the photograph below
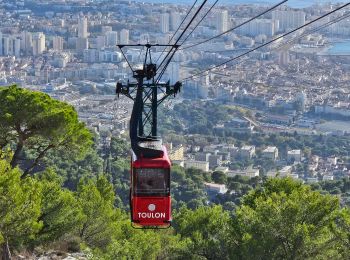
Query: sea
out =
(340, 48)
(292, 3)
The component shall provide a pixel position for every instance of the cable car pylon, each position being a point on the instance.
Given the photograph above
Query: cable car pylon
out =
(150, 201)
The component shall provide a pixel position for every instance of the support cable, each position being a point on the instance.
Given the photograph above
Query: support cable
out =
(175, 47)
(178, 28)
(126, 60)
(234, 28)
(307, 33)
(183, 32)
(205, 15)
(267, 43)
(291, 41)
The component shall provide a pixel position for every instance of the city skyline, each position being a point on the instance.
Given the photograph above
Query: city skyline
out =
(292, 3)
(73, 56)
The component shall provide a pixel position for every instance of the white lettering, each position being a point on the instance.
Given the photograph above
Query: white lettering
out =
(151, 215)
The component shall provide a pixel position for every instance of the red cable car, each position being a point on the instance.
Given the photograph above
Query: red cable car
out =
(150, 200)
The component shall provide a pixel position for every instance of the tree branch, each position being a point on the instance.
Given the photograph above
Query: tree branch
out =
(37, 160)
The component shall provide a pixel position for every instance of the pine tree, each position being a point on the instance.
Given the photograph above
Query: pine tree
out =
(19, 207)
(61, 213)
(34, 122)
(96, 199)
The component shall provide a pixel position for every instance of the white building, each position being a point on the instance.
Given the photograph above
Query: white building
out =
(82, 44)
(17, 47)
(259, 27)
(38, 43)
(6, 46)
(337, 109)
(283, 57)
(332, 160)
(91, 55)
(215, 188)
(289, 19)
(164, 22)
(222, 169)
(10, 46)
(83, 27)
(271, 152)
(175, 20)
(57, 43)
(27, 42)
(1, 51)
(284, 172)
(294, 156)
(247, 151)
(106, 29)
(100, 42)
(144, 38)
(61, 60)
(311, 180)
(222, 21)
(250, 173)
(204, 166)
(124, 36)
(194, 89)
(328, 177)
(302, 99)
(111, 38)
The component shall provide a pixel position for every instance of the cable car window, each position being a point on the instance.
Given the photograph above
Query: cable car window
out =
(151, 181)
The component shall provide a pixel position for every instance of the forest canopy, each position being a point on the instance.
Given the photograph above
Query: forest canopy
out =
(73, 203)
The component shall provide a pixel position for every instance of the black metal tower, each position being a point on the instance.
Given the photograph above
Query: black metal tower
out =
(147, 93)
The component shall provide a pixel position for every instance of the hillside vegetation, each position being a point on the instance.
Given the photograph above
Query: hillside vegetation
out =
(54, 195)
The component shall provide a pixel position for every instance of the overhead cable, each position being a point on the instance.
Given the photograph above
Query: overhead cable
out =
(205, 15)
(291, 41)
(178, 28)
(173, 49)
(234, 28)
(267, 43)
(321, 27)
(183, 32)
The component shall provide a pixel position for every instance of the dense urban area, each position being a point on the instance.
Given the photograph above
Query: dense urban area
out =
(280, 111)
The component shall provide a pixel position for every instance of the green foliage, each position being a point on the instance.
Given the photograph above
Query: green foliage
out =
(342, 232)
(130, 243)
(219, 177)
(206, 230)
(188, 187)
(34, 123)
(73, 168)
(286, 220)
(199, 117)
(119, 148)
(96, 198)
(193, 117)
(134, 244)
(120, 171)
(339, 187)
(60, 212)
(282, 219)
(310, 144)
(20, 201)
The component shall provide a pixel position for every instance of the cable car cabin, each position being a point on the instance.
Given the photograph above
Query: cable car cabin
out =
(150, 201)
